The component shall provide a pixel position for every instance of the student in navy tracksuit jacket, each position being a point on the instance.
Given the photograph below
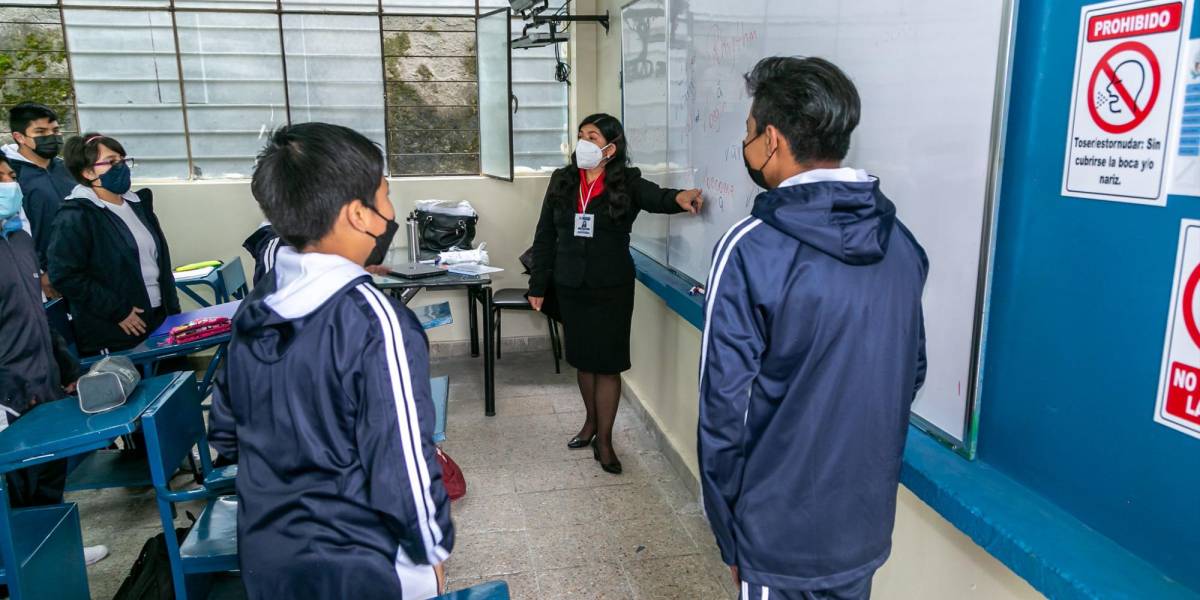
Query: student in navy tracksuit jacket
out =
(812, 351)
(263, 245)
(324, 401)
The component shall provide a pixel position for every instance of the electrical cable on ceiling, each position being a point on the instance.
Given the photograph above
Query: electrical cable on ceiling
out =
(562, 70)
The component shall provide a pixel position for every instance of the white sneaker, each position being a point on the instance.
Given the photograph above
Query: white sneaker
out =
(94, 554)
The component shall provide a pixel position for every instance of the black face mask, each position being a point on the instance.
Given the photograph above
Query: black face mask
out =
(47, 146)
(383, 241)
(756, 175)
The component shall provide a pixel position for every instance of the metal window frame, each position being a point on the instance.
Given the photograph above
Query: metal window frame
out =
(279, 11)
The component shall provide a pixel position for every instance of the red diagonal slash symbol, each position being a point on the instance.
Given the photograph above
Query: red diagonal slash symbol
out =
(1139, 112)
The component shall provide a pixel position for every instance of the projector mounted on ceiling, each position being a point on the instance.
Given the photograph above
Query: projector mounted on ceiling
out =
(537, 39)
(534, 12)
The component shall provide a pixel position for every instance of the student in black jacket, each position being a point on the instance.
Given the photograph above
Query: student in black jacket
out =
(108, 254)
(581, 247)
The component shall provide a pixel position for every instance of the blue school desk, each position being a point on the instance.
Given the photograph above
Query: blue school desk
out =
(42, 548)
(479, 290)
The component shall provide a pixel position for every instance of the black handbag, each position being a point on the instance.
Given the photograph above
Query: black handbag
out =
(440, 232)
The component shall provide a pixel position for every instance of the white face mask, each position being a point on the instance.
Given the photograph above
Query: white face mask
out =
(588, 155)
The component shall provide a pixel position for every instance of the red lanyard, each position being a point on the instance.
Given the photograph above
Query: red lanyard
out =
(585, 200)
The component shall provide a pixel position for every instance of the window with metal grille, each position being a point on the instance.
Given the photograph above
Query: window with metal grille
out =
(193, 87)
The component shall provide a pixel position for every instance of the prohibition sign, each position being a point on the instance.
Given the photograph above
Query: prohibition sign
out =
(1139, 113)
(1189, 297)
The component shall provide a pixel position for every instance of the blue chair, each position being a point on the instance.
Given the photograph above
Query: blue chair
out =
(59, 317)
(49, 545)
(173, 426)
(228, 283)
(440, 386)
(491, 590)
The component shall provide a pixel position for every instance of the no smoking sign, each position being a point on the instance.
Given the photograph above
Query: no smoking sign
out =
(1178, 404)
(1125, 71)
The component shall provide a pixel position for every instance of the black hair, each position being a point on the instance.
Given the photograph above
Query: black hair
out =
(809, 100)
(614, 170)
(82, 151)
(21, 115)
(308, 172)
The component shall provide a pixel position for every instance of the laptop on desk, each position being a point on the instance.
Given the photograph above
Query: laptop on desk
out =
(415, 271)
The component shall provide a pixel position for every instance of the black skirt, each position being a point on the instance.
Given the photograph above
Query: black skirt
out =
(596, 324)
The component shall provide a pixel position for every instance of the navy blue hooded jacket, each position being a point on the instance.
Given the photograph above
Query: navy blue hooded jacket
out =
(812, 352)
(263, 244)
(324, 402)
(44, 190)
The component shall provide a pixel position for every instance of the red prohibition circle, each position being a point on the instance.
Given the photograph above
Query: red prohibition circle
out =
(1102, 66)
(1189, 296)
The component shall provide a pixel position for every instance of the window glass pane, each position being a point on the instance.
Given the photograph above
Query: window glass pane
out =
(147, 4)
(495, 120)
(127, 84)
(540, 126)
(334, 71)
(430, 7)
(33, 64)
(226, 4)
(233, 81)
(333, 5)
(432, 95)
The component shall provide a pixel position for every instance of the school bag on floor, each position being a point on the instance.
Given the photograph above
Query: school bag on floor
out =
(150, 577)
(452, 476)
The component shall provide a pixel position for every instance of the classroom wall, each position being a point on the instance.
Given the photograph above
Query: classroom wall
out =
(207, 220)
(1081, 292)
(931, 558)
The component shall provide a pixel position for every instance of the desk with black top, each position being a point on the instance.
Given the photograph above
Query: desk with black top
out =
(479, 290)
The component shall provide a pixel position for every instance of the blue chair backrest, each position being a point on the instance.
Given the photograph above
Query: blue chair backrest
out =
(59, 317)
(233, 280)
(173, 425)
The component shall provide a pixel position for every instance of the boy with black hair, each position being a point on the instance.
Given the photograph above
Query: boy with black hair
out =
(324, 401)
(35, 365)
(812, 352)
(43, 177)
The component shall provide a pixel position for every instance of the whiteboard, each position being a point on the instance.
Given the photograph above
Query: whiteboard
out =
(932, 75)
(644, 98)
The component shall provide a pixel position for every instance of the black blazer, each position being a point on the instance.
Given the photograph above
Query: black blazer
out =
(94, 264)
(600, 261)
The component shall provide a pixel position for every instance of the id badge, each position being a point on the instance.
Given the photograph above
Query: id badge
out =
(584, 225)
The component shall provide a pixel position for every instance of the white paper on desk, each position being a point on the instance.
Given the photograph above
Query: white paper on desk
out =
(193, 274)
(473, 269)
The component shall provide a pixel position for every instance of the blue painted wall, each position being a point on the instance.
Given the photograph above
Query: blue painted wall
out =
(1080, 296)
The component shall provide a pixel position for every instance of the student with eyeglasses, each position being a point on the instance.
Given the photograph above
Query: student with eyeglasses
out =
(108, 254)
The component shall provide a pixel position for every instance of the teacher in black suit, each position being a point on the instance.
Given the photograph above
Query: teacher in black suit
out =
(581, 247)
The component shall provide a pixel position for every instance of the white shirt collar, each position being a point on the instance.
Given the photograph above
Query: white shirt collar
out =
(25, 222)
(845, 174)
(90, 194)
(305, 280)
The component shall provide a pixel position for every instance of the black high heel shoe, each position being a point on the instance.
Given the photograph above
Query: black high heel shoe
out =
(578, 442)
(613, 467)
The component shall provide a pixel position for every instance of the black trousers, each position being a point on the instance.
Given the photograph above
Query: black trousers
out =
(38, 485)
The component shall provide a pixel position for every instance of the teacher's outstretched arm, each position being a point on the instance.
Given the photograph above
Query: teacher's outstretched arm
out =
(654, 199)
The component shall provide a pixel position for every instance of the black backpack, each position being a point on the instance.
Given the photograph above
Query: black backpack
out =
(150, 577)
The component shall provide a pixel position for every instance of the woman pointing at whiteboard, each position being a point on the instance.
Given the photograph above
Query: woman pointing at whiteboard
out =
(581, 247)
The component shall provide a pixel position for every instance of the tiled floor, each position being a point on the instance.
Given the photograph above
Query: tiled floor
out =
(547, 519)
(543, 518)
